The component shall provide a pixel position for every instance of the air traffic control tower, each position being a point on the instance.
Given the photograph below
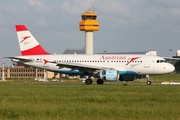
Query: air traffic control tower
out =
(89, 24)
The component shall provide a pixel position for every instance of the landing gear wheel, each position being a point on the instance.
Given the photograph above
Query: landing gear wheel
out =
(148, 82)
(100, 81)
(88, 81)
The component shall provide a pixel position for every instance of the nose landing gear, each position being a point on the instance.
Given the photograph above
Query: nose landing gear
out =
(148, 80)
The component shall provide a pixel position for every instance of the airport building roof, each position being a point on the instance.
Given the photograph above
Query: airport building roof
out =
(74, 51)
(82, 51)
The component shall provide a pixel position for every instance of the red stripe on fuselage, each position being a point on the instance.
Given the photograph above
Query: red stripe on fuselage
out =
(38, 50)
(21, 28)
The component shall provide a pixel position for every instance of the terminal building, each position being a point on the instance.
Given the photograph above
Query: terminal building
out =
(21, 71)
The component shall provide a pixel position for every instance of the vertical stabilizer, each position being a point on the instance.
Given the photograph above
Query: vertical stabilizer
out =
(28, 44)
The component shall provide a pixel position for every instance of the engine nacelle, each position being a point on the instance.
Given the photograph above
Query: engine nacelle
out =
(109, 75)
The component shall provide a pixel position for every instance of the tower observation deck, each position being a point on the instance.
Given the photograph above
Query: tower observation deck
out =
(89, 24)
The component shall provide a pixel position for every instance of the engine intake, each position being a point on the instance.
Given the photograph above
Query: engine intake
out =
(109, 75)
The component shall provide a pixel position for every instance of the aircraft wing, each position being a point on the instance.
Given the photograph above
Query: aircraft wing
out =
(17, 59)
(80, 66)
(171, 59)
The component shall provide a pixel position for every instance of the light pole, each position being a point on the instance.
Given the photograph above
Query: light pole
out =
(3, 78)
(170, 50)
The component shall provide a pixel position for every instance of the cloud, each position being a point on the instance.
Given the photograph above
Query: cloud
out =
(121, 21)
(39, 5)
(74, 7)
(6, 13)
(138, 13)
(114, 7)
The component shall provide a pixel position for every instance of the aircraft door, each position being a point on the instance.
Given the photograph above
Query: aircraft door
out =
(146, 62)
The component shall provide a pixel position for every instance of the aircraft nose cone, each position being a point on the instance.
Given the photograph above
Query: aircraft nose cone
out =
(171, 68)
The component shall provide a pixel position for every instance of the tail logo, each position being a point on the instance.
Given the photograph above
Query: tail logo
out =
(24, 38)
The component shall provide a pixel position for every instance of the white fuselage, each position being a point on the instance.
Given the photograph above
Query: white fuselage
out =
(125, 64)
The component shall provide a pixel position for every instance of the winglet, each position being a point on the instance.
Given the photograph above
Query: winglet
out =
(28, 44)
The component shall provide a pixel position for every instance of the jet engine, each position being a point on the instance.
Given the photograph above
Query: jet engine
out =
(109, 75)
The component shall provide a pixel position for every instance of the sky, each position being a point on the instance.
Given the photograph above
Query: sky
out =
(125, 25)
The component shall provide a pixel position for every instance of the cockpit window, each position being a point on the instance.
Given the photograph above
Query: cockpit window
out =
(164, 61)
(161, 61)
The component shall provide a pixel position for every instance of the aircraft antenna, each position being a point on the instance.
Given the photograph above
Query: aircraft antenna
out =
(92, 7)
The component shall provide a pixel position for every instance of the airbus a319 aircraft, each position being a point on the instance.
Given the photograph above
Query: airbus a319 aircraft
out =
(106, 67)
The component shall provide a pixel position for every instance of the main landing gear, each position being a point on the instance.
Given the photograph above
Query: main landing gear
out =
(99, 81)
(148, 80)
(88, 81)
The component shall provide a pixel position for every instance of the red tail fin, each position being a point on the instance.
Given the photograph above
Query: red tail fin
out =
(28, 44)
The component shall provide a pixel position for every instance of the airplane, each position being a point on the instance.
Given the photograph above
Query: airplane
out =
(105, 67)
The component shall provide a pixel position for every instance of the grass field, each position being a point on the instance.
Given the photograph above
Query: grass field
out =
(125, 101)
